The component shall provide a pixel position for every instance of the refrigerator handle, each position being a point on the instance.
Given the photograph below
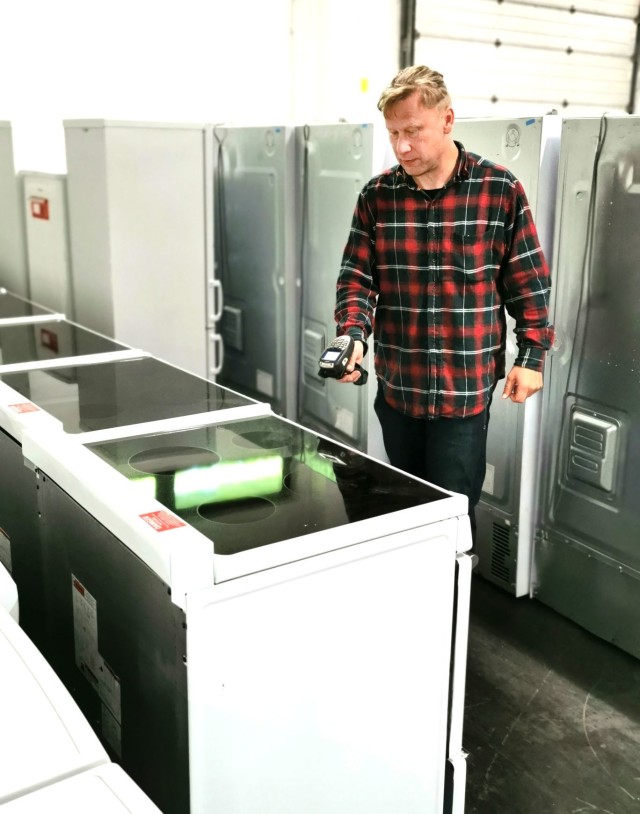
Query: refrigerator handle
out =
(217, 355)
(216, 303)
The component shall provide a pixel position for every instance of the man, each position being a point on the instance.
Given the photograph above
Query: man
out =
(439, 246)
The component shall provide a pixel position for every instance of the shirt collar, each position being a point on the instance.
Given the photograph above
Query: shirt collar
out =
(460, 172)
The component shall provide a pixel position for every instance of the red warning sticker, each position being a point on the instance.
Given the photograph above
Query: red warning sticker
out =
(162, 521)
(25, 407)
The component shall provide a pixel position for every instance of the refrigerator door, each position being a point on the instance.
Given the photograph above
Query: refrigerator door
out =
(257, 256)
(103, 790)
(505, 516)
(44, 736)
(337, 161)
(587, 557)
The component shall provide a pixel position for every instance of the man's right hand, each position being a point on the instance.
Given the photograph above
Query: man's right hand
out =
(351, 374)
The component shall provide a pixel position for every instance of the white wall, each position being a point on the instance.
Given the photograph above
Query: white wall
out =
(192, 60)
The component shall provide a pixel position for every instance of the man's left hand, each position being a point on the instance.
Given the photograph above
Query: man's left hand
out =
(521, 383)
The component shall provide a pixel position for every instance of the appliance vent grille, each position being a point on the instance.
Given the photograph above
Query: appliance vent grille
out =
(501, 552)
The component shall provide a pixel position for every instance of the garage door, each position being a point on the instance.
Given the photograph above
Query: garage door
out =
(523, 58)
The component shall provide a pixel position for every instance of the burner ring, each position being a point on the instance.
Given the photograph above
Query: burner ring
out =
(236, 512)
(169, 460)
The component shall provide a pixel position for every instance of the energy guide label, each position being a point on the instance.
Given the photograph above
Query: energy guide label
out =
(85, 631)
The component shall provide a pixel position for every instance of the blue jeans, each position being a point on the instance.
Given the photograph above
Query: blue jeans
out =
(448, 452)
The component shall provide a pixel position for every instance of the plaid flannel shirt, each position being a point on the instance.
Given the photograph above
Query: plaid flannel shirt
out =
(430, 272)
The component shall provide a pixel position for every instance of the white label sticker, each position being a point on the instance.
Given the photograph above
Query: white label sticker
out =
(111, 730)
(489, 479)
(264, 383)
(5, 550)
(344, 421)
(109, 691)
(85, 631)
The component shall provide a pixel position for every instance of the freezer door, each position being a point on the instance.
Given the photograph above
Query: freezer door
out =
(256, 258)
(587, 559)
(337, 161)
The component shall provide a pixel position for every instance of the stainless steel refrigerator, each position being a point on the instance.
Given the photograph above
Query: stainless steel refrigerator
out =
(587, 559)
(257, 262)
(336, 161)
(506, 514)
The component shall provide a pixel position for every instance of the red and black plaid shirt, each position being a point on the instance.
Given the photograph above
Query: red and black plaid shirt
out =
(436, 268)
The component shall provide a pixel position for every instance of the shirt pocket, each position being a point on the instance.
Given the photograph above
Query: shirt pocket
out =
(476, 257)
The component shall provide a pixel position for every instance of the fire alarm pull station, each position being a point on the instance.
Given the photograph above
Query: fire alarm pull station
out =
(39, 208)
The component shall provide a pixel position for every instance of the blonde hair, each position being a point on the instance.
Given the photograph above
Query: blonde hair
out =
(429, 83)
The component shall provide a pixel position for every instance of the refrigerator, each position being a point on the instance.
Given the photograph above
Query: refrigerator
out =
(254, 615)
(44, 737)
(81, 394)
(336, 161)
(44, 200)
(257, 257)
(587, 564)
(506, 515)
(140, 198)
(13, 253)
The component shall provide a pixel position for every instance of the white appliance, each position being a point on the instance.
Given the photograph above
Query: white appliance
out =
(44, 197)
(8, 589)
(106, 789)
(44, 736)
(36, 346)
(254, 615)
(141, 233)
(13, 253)
(76, 394)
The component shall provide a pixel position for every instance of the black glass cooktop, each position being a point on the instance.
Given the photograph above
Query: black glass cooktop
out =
(12, 306)
(53, 339)
(251, 483)
(118, 393)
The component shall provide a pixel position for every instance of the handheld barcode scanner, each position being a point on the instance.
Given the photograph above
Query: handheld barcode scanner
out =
(335, 358)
